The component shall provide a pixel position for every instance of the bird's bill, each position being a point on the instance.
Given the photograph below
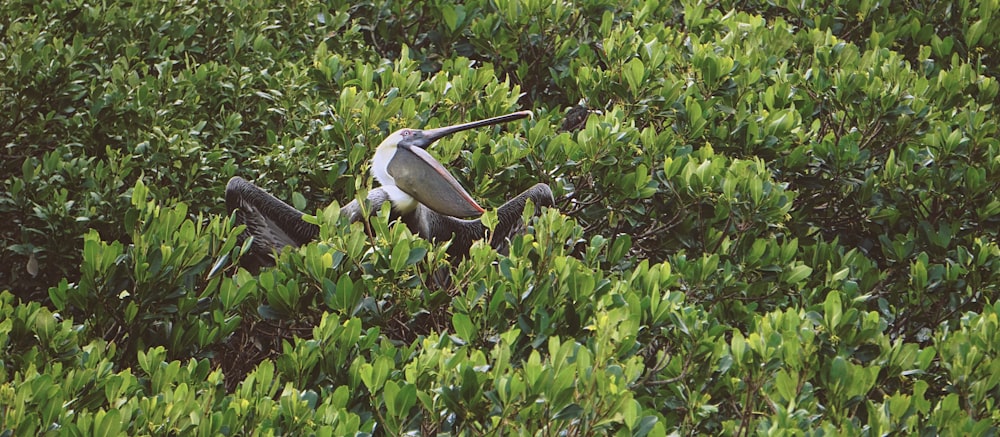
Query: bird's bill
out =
(432, 135)
(418, 174)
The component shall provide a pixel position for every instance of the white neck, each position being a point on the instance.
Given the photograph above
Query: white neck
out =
(402, 202)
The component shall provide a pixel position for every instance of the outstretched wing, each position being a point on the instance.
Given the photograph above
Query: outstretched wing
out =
(273, 224)
(462, 233)
(354, 211)
(509, 223)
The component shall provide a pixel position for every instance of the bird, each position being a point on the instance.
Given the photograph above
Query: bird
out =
(423, 194)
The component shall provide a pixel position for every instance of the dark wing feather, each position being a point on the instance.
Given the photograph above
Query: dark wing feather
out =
(374, 201)
(273, 224)
(509, 223)
(462, 233)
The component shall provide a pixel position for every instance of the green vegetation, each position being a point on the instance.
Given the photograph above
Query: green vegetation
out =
(779, 216)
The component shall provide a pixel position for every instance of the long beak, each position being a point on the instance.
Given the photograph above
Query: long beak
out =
(418, 174)
(429, 136)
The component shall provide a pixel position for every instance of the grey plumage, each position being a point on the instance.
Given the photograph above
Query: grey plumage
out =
(423, 194)
(275, 224)
(432, 226)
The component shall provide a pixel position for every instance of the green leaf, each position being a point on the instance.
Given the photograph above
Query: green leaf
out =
(798, 273)
(619, 248)
(635, 73)
(449, 16)
(374, 375)
(400, 256)
(833, 309)
(298, 201)
(416, 254)
(489, 219)
(738, 346)
(107, 423)
(786, 384)
(464, 327)
(470, 385)
(389, 392)
(975, 32)
(646, 425)
(569, 412)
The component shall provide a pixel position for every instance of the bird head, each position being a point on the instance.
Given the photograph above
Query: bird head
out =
(409, 174)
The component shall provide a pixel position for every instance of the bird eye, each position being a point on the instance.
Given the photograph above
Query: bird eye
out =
(405, 133)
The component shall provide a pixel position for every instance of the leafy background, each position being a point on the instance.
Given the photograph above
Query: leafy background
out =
(772, 216)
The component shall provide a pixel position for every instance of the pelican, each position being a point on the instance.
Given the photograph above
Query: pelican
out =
(423, 194)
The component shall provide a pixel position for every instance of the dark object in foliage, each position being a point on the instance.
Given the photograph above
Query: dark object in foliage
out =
(576, 118)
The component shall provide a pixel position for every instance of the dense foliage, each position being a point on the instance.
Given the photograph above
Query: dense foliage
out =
(772, 216)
